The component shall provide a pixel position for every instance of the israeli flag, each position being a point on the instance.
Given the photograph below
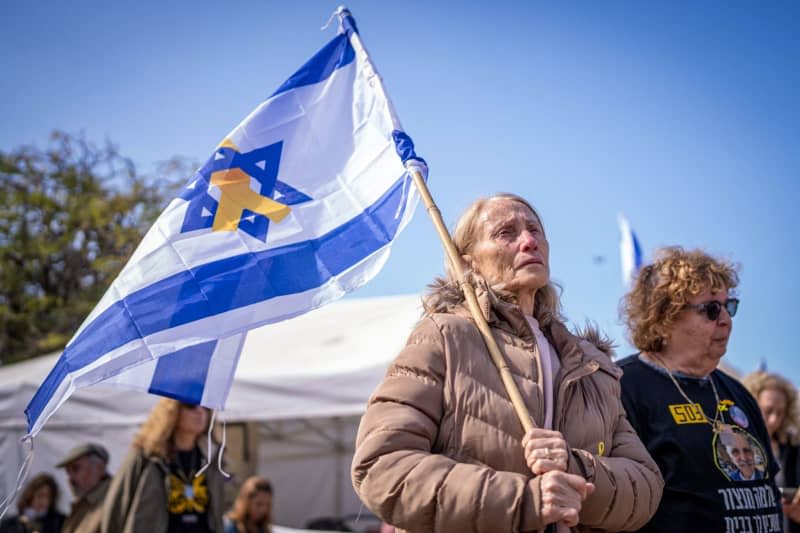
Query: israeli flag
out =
(297, 206)
(630, 251)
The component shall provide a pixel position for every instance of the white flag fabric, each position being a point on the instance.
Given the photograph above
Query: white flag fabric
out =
(630, 251)
(297, 206)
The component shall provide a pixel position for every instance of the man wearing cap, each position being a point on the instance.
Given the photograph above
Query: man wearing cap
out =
(86, 470)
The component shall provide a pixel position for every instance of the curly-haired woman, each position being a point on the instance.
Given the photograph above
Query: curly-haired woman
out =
(36, 506)
(252, 510)
(156, 490)
(701, 426)
(777, 399)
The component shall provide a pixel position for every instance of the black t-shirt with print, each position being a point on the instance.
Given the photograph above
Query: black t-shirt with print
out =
(713, 482)
(187, 500)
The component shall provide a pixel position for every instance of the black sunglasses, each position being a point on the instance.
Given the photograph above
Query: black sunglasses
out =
(713, 308)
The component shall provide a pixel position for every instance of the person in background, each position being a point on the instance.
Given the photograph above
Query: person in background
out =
(157, 489)
(252, 510)
(699, 424)
(440, 447)
(36, 508)
(86, 470)
(777, 399)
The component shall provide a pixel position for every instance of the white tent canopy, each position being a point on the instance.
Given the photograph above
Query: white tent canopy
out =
(304, 383)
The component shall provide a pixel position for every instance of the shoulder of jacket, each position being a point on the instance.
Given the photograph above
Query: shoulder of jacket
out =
(450, 322)
(591, 336)
(146, 461)
(136, 457)
(600, 351)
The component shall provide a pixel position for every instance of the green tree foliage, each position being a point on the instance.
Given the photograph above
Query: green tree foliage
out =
(70, 216)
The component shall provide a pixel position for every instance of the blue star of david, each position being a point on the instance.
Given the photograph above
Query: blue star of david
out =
(261, 164)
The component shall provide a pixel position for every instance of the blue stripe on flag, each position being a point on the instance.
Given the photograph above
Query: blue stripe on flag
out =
(182, 374)
(336, 54)
(48, 388)
(637, 254)
(225, 285)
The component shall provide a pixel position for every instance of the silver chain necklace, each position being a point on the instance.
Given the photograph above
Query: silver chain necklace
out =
(718, 422)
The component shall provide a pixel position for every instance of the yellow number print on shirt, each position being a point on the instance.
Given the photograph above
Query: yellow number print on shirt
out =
(185, 497)
(687, 413)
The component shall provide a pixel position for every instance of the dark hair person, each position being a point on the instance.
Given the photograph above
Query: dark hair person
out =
(252, 510)
(440, 447)
(777, 399)
(156, 490)
(701, 426)
(36, 507)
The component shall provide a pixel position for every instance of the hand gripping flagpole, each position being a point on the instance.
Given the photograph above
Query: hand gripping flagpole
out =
(347, 21)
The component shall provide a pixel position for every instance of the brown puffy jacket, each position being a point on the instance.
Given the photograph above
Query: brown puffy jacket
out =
(439, 447)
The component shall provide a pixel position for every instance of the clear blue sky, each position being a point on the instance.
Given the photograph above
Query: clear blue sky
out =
(683, 115)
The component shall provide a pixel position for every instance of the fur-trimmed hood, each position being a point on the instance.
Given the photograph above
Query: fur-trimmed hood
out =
(444, 296)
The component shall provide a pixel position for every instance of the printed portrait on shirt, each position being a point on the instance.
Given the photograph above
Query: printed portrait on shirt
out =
(738, 455)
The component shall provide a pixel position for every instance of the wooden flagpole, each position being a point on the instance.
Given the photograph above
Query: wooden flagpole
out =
(452, 255)
(472, 302)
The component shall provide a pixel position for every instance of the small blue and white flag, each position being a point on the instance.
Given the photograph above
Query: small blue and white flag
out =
(297, 206)
(630, 251)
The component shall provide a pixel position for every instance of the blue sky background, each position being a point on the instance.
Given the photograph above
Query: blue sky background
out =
(683, 115)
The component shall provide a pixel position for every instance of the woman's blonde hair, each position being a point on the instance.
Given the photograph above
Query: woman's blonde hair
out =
(38, 481)
(758, 382)
(239, 515)
(662, 290)
(547, 303)
(155, 436)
